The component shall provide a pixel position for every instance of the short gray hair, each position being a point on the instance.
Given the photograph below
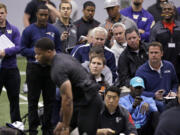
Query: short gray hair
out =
(99, 29)
(118, 24)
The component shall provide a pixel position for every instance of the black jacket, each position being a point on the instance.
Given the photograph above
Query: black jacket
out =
(84, 26)
(120, 121)
(169, 122)
(129, 62)
(172, 103)
(156, 11)
(164, 36)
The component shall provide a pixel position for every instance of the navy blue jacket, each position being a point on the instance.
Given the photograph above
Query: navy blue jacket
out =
(154, 81)
(9, 61)
(82, 54)
(32, 34)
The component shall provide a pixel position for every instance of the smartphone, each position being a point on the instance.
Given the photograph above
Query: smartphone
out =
(139, 98)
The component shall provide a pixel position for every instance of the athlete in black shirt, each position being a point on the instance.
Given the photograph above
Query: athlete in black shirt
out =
(81, 102)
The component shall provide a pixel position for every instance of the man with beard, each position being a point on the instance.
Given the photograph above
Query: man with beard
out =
(156, 10)
(143, 18)
(167, 33)
(87, 22)
(81, 103)
(112, 7)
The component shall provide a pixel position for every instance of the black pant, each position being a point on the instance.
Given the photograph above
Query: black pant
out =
(38, 79)
(56, 108)
(85, 117)
(10, 79)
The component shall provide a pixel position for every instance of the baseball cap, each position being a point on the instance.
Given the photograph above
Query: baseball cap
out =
(17, 125)
(111, 3)
(137, 81)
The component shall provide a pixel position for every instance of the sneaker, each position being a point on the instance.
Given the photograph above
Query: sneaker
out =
(17, 125)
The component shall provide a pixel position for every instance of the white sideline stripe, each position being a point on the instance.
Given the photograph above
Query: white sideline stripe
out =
(40, 104)
(23, 103)
(22, 73)
(23, 97)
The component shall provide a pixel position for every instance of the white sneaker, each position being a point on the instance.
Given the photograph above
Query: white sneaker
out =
(17, 125)
(25, 88)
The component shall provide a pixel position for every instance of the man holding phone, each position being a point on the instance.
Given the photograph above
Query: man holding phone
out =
(159, 75)
(143, 109)
(66, 27)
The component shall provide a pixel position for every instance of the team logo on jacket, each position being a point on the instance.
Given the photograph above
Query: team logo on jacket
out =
(50, 34)
(9, 31)
(118, 119)
(167, 71)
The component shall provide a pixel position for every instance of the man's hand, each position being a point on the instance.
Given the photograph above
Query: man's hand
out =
(64, 35)
(159, 94)
(137, 101)
(50, 7)
(110, 34)
(105, 131)
(61, 129)
(2, 53)
(144, 108)
(141, 31)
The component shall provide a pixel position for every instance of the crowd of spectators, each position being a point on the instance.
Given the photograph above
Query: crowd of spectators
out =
(131, 62)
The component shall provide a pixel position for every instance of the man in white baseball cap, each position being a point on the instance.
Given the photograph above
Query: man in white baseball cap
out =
(111, 3)
(113, 10)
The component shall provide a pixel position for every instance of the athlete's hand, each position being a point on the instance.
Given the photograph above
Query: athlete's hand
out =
(61, 129)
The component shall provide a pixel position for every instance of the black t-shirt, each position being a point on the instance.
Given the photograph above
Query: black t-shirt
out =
(65, 67)
(84, 26)
(31, 9)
